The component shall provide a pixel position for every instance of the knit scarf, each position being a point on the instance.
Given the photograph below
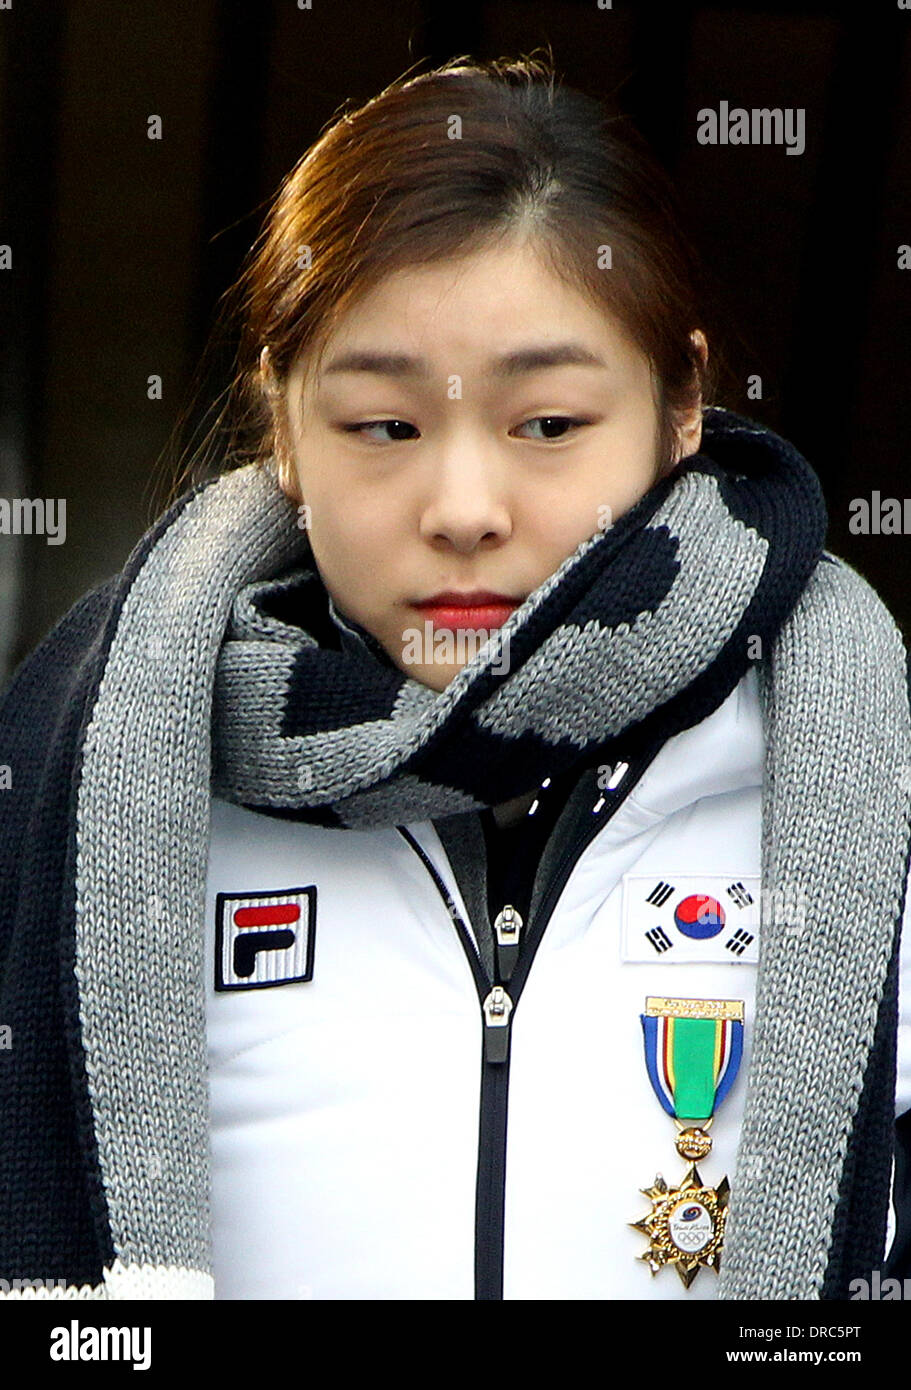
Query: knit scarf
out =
(641, 632)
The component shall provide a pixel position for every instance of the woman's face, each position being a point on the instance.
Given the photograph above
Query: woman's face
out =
(425, 463)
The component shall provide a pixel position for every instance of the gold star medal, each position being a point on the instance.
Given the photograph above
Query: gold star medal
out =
(693, 1049)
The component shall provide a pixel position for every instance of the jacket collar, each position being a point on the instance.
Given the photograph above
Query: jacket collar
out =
(723, 753)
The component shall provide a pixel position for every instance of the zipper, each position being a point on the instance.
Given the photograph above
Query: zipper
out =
(496, 1009)
(508, 927)
(498, 1006)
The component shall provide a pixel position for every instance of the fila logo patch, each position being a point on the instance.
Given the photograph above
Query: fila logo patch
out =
(264, 939)
(705, 917)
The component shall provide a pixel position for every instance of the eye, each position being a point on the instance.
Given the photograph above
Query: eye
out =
(379, 425)
(557, 420)
(561, 423)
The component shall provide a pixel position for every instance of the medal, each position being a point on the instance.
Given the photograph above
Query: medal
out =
(693, 1049)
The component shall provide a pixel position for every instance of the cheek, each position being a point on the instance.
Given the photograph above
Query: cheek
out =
(351, 547)
(563, 517)
(631, 489)
(562, 520)
(632, 470)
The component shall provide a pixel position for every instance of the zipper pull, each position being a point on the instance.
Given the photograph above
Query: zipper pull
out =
(497, 1008)
(508, 926)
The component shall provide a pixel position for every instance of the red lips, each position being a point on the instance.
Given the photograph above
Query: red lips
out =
(481, 608)
(450, 598)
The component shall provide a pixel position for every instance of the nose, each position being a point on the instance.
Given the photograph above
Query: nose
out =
(467, 499)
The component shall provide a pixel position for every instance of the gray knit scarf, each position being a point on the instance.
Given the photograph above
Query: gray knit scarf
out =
(644, 630)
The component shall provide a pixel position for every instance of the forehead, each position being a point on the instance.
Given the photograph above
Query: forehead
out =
(502, 312)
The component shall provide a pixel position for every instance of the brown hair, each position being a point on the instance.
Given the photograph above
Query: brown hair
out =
(385, 186)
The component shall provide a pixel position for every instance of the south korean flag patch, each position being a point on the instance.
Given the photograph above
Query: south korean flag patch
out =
(698, 917)
(264, 939)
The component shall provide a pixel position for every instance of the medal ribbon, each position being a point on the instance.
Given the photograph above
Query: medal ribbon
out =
(693, 1050)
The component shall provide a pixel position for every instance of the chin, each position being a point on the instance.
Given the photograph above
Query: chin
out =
(436, 677)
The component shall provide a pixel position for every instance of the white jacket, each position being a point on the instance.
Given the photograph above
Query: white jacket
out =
(345, 1107)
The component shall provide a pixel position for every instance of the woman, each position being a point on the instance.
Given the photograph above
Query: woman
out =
(411, 810)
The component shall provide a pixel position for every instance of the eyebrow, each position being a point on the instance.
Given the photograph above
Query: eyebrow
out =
(510, 364)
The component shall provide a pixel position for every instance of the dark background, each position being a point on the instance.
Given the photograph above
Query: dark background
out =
(122, 246)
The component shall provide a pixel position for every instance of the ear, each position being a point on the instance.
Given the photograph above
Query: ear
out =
(287, 472)
(284, 455)
(689, 424)
(268, 381)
